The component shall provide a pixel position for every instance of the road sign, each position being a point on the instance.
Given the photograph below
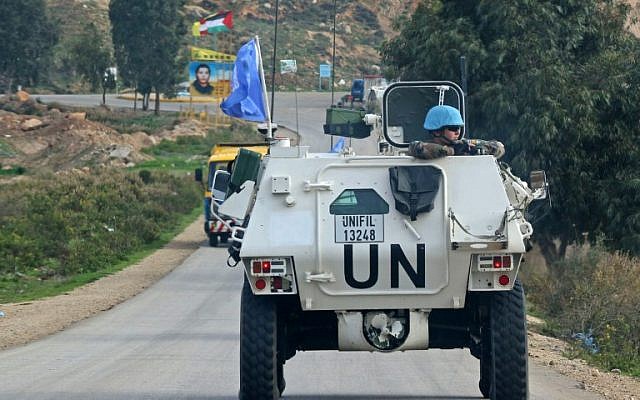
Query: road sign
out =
(325, 70)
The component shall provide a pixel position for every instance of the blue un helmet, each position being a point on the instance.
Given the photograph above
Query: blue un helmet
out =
(441, 116)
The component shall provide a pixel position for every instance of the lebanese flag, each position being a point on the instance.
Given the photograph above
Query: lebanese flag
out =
(220, 22)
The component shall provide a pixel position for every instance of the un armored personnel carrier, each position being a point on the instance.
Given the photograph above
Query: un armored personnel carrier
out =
(381, 252)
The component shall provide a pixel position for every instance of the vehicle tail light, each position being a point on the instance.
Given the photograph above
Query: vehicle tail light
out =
(256, 267)
(503, 280)
(497, 262)
(266, 267)
(506, 261)
(261, 284)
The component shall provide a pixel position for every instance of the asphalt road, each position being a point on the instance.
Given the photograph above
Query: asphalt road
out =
(180, 340)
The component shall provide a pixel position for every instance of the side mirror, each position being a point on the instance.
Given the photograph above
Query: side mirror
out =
(538, 183)
(220, 185)
(198, 175)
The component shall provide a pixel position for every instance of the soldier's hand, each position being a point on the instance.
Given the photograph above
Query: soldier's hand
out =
(495, 148)
(415, 149)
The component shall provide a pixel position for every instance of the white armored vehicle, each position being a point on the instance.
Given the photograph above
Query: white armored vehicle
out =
(381, 252)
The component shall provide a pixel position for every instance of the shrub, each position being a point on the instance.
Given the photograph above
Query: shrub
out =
(57, 226)
(598, 292)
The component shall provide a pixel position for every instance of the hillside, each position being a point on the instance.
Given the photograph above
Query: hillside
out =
(304, 33)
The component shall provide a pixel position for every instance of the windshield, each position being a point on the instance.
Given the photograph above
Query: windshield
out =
(405, 105)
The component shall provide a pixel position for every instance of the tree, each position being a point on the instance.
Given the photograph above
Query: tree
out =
(28, 36)
(146, 39)
(90, 56)
(557, 81)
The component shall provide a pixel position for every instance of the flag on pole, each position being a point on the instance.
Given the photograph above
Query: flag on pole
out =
(247, 98)
(338, 146)
(220, 22)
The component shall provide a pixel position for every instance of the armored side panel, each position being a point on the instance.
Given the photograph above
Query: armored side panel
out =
(334, 219)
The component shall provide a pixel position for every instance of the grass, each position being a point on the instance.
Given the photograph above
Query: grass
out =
(33, 289)
(130, 121)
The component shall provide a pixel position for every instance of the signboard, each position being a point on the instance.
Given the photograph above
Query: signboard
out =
(288, 67)
(325, 70)
(210, 78)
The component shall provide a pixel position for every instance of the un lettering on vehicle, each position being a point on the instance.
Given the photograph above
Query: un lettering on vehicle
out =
(359, 228)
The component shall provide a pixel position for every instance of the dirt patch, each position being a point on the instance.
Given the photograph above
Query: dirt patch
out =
(56, 141)
(548, 352)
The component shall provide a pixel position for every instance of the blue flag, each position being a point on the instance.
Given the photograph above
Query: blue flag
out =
(246, 100)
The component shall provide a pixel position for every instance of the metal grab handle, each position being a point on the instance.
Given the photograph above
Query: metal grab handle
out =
(321, 277)
(308, 186)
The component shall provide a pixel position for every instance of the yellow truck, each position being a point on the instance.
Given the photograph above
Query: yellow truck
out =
(221, 157)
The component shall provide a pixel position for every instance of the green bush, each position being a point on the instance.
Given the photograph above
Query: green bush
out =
(598, 292)
(58, 226)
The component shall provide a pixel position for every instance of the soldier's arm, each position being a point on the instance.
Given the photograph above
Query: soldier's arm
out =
(429, 151)
(490, 147)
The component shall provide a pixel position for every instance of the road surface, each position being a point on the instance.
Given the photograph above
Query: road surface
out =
(180, 340)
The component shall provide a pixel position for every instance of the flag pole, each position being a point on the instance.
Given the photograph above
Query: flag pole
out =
(264, 90)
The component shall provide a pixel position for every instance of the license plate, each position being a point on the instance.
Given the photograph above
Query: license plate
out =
(359, 228)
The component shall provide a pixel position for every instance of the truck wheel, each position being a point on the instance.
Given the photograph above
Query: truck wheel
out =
(213, 240)
(259, 369)
(504, 353)
(224, 238)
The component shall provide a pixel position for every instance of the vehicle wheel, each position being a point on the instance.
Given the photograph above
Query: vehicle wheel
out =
(485, 367)
(213, 240)
(259, 367)
(224, 238)
(504, 351)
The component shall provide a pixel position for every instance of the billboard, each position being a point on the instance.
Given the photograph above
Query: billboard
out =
(210, 78)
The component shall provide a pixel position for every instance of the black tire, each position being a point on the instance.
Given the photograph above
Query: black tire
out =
(258, 347)
(486, 375)
(213, 240)
(504, 351)
(224, 238)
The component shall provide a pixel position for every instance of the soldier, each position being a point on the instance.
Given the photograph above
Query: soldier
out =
(444, 124)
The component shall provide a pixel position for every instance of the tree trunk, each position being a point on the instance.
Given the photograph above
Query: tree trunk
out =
(145, 101)
(104, 95)
(135, 99)
(9, 84)
(157, 107)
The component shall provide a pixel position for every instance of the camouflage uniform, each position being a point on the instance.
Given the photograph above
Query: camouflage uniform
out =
(430, 150)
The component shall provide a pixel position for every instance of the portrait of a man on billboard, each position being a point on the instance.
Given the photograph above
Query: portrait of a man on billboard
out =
(200, 78)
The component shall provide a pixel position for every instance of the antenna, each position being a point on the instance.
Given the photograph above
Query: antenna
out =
(463, 82)
(273, 63)
(333, 56)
